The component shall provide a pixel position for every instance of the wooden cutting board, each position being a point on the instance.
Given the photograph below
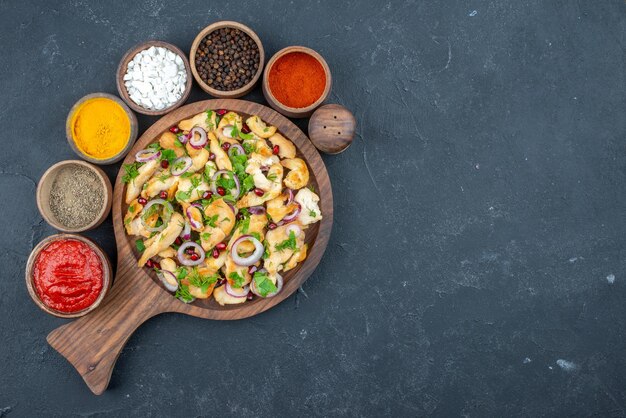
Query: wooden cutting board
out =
(93, 343)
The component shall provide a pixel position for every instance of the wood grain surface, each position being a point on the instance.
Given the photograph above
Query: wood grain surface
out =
(331, 128)
(93, 343)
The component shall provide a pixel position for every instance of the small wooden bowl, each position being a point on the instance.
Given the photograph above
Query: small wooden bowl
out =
(45, 185)
(294, 112)
(121, 71)
(131, 139)
(106, 269)
(231, 94)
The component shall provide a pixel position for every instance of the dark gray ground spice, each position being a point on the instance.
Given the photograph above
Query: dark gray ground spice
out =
(76, 196)
(227, 59)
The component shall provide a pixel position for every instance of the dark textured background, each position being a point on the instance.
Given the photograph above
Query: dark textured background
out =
(479, 215)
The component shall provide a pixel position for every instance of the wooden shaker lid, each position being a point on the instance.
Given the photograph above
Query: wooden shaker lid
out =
(331, 128)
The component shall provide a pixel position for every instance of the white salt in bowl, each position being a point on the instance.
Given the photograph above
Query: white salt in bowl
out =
(123, 67)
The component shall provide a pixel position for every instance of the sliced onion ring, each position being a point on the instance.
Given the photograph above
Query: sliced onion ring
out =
(236, 293)
(257, 210)
(146, 155)
(183, 138)
(188, 262)
(202, 139)
(165, 217)
(251, 259)
(293, 228)
(239, 148)
(192, 222)
(186, 234)
(184, 162)
(168, 279)
(292, 216)
(289, 197)
(279, 286)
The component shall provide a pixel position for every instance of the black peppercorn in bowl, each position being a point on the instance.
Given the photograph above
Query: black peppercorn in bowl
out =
(227, 59)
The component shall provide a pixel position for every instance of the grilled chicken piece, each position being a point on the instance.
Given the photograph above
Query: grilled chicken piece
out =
(169, 141)
(214, 264)
(224, 298)
(191, 193)
(260, 128)
(160, 181)
(163, 239)
(134, 208)
(222, 222)
(277, 209)
(230, 267)
(204, 120)
(298, 175)
(134, 187)
(286, 148)
(197, 291)
(298, 255)
(274, 262)
(230, 118)
(221, 158)
(169, 252)
(310, 212)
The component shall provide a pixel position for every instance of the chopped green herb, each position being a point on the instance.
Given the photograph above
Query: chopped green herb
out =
(256, 235)
(168, 154)
(131, 172)
(263, 284)
(248, 147)
(238, 280)
(163, 177)
(209, 116)
(272, 177)
(131, 208)
(178, 143)
(205, 236)
(183, 294)
(288, 243)
(211, 221)
(312, 213)
(140, 245)
(198, 280)
(245, 136)
(180, 195)
(181, 273)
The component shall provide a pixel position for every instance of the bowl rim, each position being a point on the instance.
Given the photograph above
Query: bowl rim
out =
(102, 214)
(228, 94)
(106, 277)
(308, 51)
(132, 137)
(121, 71)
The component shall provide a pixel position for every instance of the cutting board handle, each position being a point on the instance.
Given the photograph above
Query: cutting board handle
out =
(93, 343)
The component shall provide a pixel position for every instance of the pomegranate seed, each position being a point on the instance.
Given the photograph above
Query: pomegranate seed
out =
(189, 251)
(259, 192)
(174, 129)
(165, 164)
(207, 195)
(225, 146)
(156, 265)
(149, 263)
(216, 253)
(239, 216)
(163, 195)
(142, 201)
(221, 112)
(245, 128)
(272, 225)
(252, 269)
(178, 241)
(211, 156)
(275, 149)
(250, 296)
(221, 191)
(195, 257)
(221, 246)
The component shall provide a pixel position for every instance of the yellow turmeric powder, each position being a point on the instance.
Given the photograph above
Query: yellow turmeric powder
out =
(100, 128)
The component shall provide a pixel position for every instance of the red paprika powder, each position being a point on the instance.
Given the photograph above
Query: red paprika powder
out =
(297, 79)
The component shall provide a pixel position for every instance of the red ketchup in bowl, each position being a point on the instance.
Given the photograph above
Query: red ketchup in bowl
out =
(68, 276)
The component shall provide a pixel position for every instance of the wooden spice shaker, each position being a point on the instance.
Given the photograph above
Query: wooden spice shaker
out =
(331, 128)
